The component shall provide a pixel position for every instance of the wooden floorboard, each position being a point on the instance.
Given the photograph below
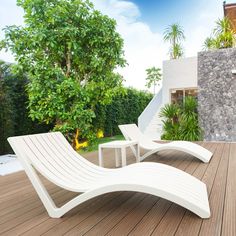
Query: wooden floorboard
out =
(127, 213)
(212, 226)
(190, 224)
(229, 216)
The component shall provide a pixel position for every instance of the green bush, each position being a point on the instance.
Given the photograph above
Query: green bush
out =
(181, 121)
(14, 118)
(124, 109)
(6, 111)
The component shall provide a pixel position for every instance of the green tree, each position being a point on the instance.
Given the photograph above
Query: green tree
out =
(69, 52)
(174, 34)
(153, 76)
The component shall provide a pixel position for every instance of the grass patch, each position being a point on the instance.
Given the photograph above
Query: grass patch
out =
(94, 147)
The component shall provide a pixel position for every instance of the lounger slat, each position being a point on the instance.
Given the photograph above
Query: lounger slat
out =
(75, 158)
(52, 174)
(78, 159)
(63, 161)
(49, 162)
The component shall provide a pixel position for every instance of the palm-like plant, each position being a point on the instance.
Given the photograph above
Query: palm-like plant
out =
(177, 51)
(209, 43)
(222, 26)
(223, 36)
(170, 114)
(224, 33)
(174, 34)
(189, 107)
(181, 121)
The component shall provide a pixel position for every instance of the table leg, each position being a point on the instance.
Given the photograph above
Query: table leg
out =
(100, 157)
(123, 156)
(137, 153)
(117, 155)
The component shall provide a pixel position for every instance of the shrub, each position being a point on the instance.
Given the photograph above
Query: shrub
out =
(14, 118)
(124, 109)
(181, 121)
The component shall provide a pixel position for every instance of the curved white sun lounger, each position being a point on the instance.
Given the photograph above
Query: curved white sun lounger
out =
(132, 132)
(52, 156)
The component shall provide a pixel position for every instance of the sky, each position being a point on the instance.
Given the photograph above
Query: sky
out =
(141, 24)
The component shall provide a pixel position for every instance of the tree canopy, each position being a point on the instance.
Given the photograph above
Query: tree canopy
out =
(153, 76)
(69, 51)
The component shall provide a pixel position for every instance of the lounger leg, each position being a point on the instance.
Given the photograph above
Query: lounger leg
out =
(123, 156)
(117, 155)
(100, 157)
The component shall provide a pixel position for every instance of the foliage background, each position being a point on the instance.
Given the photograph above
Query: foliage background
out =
(124, 109)
(14, 115)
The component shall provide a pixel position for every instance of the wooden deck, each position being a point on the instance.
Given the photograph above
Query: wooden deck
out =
(127, 213)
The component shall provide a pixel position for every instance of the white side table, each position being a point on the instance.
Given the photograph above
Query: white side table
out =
(120, 151)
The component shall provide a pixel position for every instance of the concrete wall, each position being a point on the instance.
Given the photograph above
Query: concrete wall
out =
(217, 94)
(180, 73)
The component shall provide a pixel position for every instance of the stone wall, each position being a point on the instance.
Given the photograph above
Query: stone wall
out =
(217, 94)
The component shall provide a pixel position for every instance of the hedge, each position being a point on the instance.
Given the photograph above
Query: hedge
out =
(124, 109)
(14, 118)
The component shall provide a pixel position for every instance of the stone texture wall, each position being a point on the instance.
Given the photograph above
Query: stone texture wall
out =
(217, 94)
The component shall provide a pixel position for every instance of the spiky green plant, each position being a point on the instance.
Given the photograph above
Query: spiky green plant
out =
(170, 113)
(209, 44)
(189, 126)
(181, 121)
(177, 51)
(223, 36)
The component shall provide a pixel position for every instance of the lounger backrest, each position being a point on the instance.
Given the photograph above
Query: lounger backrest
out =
(132, 132)
(54, 158)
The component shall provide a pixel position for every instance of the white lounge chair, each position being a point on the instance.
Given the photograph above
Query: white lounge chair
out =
(52, 156)
(132, 132)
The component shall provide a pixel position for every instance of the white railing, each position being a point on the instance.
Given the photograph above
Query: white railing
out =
(150, 110)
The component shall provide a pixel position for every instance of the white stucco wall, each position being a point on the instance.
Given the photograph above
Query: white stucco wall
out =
(180, 73)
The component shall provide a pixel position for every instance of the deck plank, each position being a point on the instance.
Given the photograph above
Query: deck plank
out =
(229, 217)
(69, 220)
(212, 226)
(190, 223)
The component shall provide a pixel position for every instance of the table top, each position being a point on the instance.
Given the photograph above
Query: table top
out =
(118, 144)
